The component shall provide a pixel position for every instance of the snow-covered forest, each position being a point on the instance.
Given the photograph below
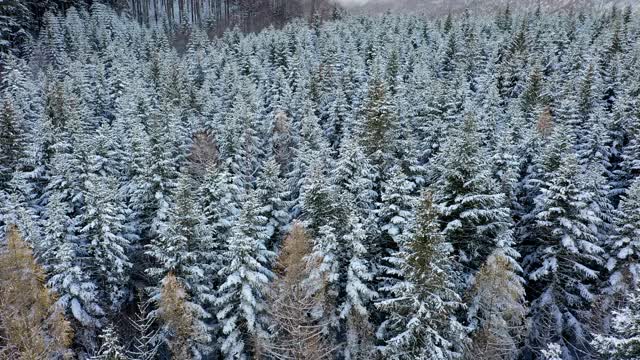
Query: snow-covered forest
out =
(340, 187)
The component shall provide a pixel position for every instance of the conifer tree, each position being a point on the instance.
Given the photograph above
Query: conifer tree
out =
(111, 349)
(475, 219)
(552, 352)
(273, 199)
(66, 264)
(356, 308)
(378, 129)
(563, 265)
(11, 140)
(145, 343)
(241, 297)
(320, 203)
(624, 342)
(356, 177)
(623, 247)
(420, 308)
(179, 252)
(395, 211)
(103, 225)
(324, 280)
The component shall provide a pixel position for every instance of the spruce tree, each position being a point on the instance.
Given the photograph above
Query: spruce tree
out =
(66, 265)
(241, 297)
(356, 308)
(11, 140)
(179, 252)
(420, 307)
(474, 213)
(624, 341)
(111, 348)
(273, 199)
(103, 225)
(623, 247)
(563, 264)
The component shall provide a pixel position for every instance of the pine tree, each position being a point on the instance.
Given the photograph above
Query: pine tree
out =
(420, 309)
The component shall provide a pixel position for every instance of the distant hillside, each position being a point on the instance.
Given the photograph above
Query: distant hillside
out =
(439, 7)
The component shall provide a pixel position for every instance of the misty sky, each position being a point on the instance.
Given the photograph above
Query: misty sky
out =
(352, 2)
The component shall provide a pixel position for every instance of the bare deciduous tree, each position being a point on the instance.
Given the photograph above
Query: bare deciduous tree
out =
(32, 327)
(203, 155)
(296, 335)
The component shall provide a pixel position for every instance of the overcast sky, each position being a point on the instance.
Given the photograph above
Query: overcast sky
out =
(352, 2)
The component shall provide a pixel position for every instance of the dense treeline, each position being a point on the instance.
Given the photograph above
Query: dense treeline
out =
(21, 19)
(249, 15)
(385, 187)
